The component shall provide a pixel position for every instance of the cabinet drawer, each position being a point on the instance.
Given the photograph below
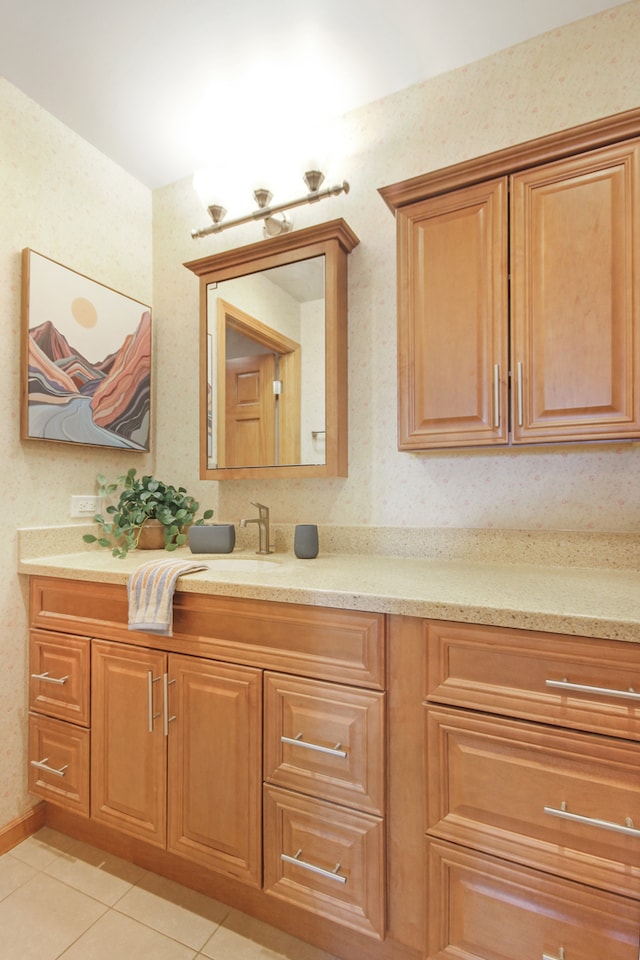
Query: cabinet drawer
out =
(481, 907)
(59, 763)
(347, 646)
(569, 681)
(59, 681)
(340, 870)
(325, 739)
(501, 786)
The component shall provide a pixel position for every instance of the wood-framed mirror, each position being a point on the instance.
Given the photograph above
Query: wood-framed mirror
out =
(273, 356)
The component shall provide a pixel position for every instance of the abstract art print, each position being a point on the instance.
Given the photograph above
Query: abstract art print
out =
(86, 359)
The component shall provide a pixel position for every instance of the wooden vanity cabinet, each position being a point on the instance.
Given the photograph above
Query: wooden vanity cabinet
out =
(519, 296)
(176, 759)
(532, 831)
(175, 754)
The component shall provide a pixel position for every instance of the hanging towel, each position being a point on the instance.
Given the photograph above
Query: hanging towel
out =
(150, 590)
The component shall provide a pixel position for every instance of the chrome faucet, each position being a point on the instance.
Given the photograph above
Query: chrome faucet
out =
(263, 526)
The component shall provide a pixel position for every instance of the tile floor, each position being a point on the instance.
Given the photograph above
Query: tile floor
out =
(61, 899)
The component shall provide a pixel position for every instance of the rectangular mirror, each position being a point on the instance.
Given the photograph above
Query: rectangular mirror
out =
(273, 364)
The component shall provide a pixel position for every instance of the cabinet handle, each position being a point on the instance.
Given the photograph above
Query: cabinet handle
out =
(565, 684)
(520, 395)
(45, 676)
(297, 741)
(165, 689)
(43, 765)
(496, 394)
(547, 956)
(152, 716)
(329, 874)
(627, 827)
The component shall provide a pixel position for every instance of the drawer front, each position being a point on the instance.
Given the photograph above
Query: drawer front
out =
(577, 682)
(347, 646)
(481, 907)
(59, 681)
(326, 740)
(557, 800)
(59, 763)
(326, 859)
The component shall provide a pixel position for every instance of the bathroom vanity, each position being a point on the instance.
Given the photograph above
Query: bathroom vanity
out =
(384, 756)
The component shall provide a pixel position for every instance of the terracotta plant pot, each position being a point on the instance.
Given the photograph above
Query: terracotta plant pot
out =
(151, 536)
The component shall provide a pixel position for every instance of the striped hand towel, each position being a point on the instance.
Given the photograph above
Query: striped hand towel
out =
(150, 590)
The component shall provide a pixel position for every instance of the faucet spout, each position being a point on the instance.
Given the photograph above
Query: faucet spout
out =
(262, 520)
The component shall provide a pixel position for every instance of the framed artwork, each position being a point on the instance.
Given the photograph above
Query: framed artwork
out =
(86, 359)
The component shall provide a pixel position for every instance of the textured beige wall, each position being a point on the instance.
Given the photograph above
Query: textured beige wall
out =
(576, 74)
(62, 198)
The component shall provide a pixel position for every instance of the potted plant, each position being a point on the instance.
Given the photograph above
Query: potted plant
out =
(144, 502)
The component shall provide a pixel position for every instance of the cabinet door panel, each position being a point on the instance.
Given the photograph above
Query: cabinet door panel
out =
(502, 786)
(128, 746)
(575, 297)
(452, 319)
(480, 907)
(215, 765)
(333, 743)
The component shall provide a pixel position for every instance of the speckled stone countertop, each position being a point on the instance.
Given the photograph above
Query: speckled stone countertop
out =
(577, 584)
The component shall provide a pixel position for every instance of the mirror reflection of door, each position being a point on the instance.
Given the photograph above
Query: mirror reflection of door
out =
(259, 407)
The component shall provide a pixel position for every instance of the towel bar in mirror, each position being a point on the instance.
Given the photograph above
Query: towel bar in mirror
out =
(273, 356)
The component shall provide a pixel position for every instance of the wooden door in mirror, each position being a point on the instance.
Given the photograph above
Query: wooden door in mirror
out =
(284, 299)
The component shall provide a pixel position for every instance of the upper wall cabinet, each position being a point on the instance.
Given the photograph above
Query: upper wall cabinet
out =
(519, 293)
(273, 356)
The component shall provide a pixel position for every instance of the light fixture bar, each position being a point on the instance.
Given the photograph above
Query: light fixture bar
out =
(264, 212)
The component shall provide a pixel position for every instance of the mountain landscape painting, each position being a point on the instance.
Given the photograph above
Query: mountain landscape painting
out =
(86, 367)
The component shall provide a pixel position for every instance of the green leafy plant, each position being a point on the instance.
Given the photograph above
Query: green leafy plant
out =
(141, 499)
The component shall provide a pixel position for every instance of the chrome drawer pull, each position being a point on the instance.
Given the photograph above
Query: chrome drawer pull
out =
(42, 765)
(152, 716)
(627, 827)
(166, 683)
(547, 956)
(496, 394)
(329, 874)
(565, 684)
(45, 676)
(519, 393)
(297, 741)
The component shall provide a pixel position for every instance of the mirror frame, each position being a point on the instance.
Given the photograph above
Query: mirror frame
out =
(334, 240)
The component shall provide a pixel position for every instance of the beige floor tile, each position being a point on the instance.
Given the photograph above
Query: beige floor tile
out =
(13, 873)
(243, 938)
(42, 848)
(174, 910)
(95, 872)
(116, 937)
(42, 918)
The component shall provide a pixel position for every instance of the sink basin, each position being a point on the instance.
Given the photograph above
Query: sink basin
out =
(242, 564)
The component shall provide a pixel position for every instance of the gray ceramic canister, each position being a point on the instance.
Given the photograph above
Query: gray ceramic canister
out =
(212, 538)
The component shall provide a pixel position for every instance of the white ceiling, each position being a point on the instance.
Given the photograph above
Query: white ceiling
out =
(164, 86)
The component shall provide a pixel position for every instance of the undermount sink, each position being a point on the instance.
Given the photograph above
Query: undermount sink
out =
(243, 564)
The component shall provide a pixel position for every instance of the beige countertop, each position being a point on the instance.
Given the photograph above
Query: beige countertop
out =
(597, 601)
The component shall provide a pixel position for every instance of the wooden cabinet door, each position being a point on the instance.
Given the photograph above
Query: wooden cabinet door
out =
(453, 319)
(215, 765)
(575, 298)
(128, 748)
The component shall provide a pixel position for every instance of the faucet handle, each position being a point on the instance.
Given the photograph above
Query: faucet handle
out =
(262, 510)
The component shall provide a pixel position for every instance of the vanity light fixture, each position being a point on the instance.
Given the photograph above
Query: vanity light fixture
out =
(274, 218)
